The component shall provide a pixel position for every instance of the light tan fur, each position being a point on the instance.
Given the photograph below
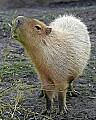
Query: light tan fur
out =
(59, 51)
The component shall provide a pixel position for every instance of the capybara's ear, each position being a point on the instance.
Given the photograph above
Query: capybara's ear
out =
(48, 30)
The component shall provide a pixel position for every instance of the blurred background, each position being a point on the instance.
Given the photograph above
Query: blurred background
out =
(8, 4)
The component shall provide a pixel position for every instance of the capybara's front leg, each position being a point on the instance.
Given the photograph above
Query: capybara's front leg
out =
(62, 101)
(48, 90)
(49, 101)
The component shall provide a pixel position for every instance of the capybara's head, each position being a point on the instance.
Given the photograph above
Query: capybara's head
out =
(24, 28)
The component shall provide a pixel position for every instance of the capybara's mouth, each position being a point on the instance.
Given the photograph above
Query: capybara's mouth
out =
(13, 33)
(15, 36)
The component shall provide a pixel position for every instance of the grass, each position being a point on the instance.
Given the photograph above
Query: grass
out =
(16, 76)
(15, 69)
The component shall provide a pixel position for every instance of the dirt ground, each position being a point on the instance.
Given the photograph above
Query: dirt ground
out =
(20, 87)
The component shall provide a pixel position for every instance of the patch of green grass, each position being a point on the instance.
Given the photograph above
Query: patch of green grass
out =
(83, 90)
(17, 69)
(90, 78)
(5, 21)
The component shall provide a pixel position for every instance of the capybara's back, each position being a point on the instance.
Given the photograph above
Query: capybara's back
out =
(75, 42)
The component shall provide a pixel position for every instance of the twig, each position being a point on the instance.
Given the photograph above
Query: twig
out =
(92, 97)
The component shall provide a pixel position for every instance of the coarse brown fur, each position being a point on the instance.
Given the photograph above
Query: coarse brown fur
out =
(58, 52)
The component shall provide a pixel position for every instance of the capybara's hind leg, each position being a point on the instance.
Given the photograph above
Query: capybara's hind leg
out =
(72, 91)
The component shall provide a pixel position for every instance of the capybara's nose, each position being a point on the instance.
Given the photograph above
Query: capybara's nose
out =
(19, 21)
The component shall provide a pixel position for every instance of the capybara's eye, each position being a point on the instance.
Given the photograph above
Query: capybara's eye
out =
(38, 27)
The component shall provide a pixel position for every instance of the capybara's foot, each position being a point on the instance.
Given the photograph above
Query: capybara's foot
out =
(74, 93)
